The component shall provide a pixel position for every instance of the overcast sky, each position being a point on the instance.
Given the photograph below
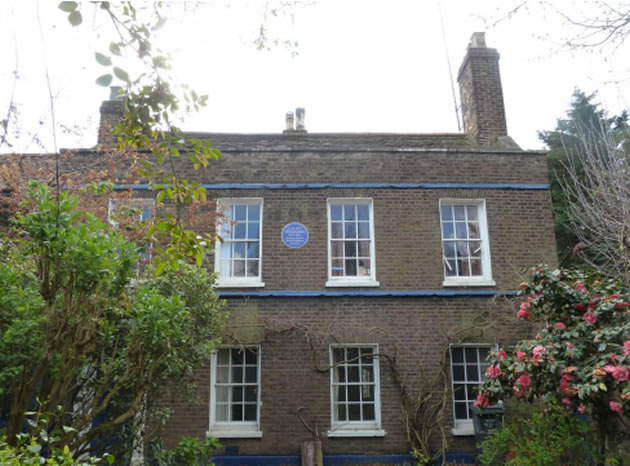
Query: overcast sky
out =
(361, 65)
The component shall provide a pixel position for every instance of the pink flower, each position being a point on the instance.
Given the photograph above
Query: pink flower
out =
(560, 326)
(502, 355)
(570, 345)
(482, 401)
(590, 317)
(613, 359)
(539, 351)
(613, 296)
(609, 368)
(616, 407)
(621, 305)
(520, 355)
(494, 372)
(621, 374)
(581, 409)
(567, 402)
(580, 307)
(524, 380)
(522, 314)
(626, 348)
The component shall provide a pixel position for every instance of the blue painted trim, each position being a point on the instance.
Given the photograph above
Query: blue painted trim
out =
(262, 460)
(535, 187)
(371, 294)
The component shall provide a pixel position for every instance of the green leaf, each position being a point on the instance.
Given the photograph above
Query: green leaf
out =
(160, 268)
(68, 7)
(114, 48)
(103, 59)
(121, 74)
(160, 197)
(67, 429)
(603, 387)
(75, 18)
(159, 24)
(104, 80)
(199, 258)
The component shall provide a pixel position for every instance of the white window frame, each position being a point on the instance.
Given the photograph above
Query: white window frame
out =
(465, 427)
(233, 429)
(239, 282)
(134, 202)
(357, 428)
(486, 264)
(354, 281)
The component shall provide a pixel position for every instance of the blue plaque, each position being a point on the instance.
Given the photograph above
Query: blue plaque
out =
(294, 235)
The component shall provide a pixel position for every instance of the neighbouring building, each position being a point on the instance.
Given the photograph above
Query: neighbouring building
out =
(360, 269)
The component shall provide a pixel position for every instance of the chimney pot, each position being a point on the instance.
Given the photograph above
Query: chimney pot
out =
(289, 122)
(478, 40)
(299, 113)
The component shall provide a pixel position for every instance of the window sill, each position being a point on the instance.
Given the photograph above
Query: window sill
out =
(352, 283)
(240, 284)
(463, 430)
(234, 434)
(453, 282)
(356, 433)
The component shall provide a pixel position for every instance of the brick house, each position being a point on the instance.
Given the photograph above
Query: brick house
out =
(361, 267)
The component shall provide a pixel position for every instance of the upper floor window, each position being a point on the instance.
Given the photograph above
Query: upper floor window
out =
(468, 370)
(235, 392)
(465, 245)
(355, 391)
(238, 256)
(351, 243)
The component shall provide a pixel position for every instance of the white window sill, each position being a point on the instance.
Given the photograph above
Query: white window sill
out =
(460, 281)
(239, 284)
(352, 283)
(463, 430)
(357, 433)
(234, 434)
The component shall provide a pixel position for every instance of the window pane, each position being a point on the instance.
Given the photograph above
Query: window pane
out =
(251, 375)
(337, 268)
(222, 394)
(367, 374)
(350, 248)
(339, 374)
(349, 212)
(450, 268)
(364, 268)
(460, 212)
(237, 374)
(471, 391)
(223, 374)
(221, 412)
(240, 231)
(472, 212)
(458, 373)
(367, 392)
(368, 412)
(471, 355)
(462, 268)
(367, 356)
(225, 268)
(353, 354)
(237, 356)
(483, 353)
(239, 250)
(351, 268)
(335, 212)
(449, 249)
(350, 230)
(250, 412)
(223, 357)
(364, 249)
(459, 392)
(253, 212)
(364, 230)
(252, 268)
(341, 412)
(251, 356)
(462, 248)
(457, 354)
(448, 231)
(237, 412)
(354, 393)
(341, 393)
(339, 354)
(461, 411)
(239, 268)
(336, 249)
(447, 212)
(461, 230)
(237, 393)
(472, 372)
(475, 267)
(354, 412)
(363, 212)
(253, 230)
(251, 393)
(473, 230)
(353, 373)
(474, 248)
(252, 250)
(336, 230)
(240, 213)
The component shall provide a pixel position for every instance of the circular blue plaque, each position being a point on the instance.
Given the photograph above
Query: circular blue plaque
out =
(294, 235)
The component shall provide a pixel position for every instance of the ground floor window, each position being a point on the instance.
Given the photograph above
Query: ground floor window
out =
(468, 370)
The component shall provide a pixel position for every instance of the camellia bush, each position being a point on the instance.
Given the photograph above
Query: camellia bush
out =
(579, 359)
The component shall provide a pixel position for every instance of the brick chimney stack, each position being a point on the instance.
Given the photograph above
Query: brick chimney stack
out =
(481, 94)
(111, 111)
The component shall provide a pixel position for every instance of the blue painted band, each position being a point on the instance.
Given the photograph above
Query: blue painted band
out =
(366, 293)
(530, 187)
(333, 460)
